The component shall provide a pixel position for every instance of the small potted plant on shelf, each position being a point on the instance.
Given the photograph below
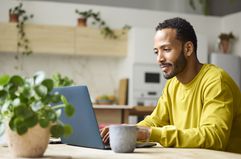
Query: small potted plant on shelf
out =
(15, 12)
(106, 31)
(19, 15)
(85, 15)
(27, 115)
(225, 42)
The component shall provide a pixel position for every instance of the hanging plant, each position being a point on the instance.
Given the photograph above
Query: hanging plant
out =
(105, 30)
(23, 47)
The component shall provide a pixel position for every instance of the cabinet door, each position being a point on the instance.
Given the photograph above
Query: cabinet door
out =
(8, 37)
(51, 39)
(90, 42)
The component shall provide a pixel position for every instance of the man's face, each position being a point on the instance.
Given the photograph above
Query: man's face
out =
(170, 53)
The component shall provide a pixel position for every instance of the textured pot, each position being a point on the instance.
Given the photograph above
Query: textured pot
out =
(81, 22)
(13, 18)
(31, 144)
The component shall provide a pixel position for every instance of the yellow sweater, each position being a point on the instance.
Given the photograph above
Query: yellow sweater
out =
(204, 113)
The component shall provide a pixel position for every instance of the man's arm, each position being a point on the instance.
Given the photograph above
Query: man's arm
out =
(215, 123)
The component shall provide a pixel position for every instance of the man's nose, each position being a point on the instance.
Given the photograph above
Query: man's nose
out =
(160, 57)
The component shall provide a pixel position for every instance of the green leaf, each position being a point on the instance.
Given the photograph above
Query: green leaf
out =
(17, 80)
(22, 110)
(64, 100)
(57, 130)
(43, 122)
(58, 112)
(69, 110)
(39, 77)
(12, 91)
(49, 84)
(51, 115)
(4, 79)
(17, 124)
(41, 90)
(22, 129)
(55, 98)
(11, 123)
(3, 94)
(67, 130)
(31, 121)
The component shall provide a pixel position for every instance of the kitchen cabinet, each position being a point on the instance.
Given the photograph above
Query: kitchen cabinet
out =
(8, 38)
(51, 39)
(90, 42)
(67, 40)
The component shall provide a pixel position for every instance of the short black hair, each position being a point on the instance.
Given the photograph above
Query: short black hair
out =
(184, 30)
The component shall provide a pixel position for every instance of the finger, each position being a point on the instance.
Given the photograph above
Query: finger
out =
(104, 131)
(106, 138)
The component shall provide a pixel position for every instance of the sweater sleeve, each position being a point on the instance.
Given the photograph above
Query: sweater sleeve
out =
(214, 126)
(160, 115)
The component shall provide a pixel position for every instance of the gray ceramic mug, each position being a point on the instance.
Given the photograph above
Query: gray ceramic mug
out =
(123, 138)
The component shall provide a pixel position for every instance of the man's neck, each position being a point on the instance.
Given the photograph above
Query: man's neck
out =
(189, 73)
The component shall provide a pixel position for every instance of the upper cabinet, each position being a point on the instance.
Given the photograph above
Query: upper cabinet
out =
(49, 39)
(8, 37)
(90, 42)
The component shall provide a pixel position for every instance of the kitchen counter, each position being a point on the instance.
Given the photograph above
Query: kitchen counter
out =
(116, 114)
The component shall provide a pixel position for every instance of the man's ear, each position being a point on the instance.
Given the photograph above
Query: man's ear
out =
(188, 48)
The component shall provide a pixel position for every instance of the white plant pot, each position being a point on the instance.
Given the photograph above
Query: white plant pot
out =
(31, 144)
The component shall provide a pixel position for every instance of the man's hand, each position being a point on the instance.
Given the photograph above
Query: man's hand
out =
(143, 133)
(104, 133)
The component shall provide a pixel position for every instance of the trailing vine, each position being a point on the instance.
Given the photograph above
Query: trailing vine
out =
(22, 41)
(105, 30)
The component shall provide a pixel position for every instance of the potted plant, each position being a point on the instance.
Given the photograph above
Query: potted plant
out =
(225, 41)
(27, 115)
(106, 31)
(85, 15)
(19, 15)
(15, 12)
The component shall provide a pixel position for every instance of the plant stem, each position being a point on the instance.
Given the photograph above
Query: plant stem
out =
(58, 106)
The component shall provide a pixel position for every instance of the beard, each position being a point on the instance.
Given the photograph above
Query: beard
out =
(178, 66)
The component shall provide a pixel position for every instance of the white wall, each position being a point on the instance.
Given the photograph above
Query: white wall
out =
(105, 71)
(232, 23)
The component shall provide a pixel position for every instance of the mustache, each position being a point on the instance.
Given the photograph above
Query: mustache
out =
(165, 64)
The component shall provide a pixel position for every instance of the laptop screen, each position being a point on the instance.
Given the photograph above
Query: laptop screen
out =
(85, 127)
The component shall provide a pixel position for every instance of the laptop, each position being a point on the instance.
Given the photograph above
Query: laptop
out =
(85, 126)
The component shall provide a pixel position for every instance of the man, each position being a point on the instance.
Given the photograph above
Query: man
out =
(200, 106)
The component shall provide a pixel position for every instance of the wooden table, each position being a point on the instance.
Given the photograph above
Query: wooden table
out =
(61, 151)
(116, 114)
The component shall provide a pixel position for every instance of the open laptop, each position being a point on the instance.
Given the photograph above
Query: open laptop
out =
(85, 127)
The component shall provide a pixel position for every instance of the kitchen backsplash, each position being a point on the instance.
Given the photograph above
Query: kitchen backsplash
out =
(100, 74)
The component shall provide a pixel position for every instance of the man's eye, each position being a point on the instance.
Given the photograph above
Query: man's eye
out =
(155, 52)
(167, 50)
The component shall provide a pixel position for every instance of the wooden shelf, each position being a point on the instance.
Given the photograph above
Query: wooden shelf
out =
(51, 39)
(90, 41)
(8, 38)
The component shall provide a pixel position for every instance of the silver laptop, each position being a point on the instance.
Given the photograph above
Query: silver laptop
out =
(85, 127)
